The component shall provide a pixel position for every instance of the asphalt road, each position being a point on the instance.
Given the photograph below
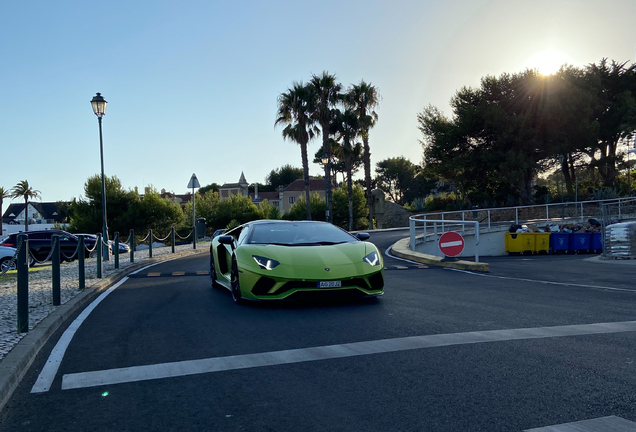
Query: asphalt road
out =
(519, 380)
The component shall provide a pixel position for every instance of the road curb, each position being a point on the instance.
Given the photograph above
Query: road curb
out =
(401, 250)
(16, 363)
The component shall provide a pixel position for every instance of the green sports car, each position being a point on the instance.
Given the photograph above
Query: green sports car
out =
(275, 260)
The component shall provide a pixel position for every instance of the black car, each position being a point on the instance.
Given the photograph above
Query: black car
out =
(40, 243)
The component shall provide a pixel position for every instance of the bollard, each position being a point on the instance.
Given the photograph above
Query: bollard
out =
(98, 248)
(194, 237)
(81, 259)
(132, 245)
(172, 238)
(23, 283)
(149, 243)
(116, 251)
(56, 258)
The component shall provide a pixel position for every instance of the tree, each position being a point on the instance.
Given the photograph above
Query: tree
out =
(326, 94)
(297, 210)
(3, 194)
(26, 192)
(341, 208)
(294, 110)
(283, 176)
(395, 177)
(236, 207)
(214, 187)
(363, 98)
(348, 127)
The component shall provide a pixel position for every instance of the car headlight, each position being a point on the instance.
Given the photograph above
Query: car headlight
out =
(265, 263)
(372, 259)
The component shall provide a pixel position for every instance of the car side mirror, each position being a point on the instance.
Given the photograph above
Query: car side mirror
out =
(362, 236)
(226, 239)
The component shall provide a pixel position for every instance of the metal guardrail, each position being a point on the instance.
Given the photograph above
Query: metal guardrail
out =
(519, 214)
(445, 224)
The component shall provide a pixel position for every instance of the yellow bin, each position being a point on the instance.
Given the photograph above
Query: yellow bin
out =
(520, 242)
(542, 242)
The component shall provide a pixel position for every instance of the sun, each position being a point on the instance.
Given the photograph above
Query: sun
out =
(547, 62)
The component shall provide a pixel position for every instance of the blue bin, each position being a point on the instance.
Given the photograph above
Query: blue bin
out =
(596, 242)
(580, 242)
(559, 242)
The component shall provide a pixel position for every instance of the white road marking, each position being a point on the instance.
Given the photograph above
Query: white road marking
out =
(47, 375)
(544, 282)
(601, 424)
(218, 364)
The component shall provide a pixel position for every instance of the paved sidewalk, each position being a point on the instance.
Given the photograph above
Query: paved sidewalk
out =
(17, 351)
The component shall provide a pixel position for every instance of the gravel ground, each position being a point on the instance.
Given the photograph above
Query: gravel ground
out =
(41, 296)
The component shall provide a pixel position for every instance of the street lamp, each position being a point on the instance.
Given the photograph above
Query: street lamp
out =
(99, 108)
(325, 160)
(561, 181)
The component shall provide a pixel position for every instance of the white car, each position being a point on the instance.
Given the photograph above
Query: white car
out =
(6, 255)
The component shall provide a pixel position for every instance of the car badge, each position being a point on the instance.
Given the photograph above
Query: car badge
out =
(326, 269)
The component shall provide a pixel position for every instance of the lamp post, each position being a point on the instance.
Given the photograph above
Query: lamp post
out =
(194, 183)
(561, 182)
(325, 160)
(99, 108)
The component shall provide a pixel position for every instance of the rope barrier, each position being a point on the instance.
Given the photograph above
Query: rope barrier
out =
(183, 238)
(161, 239)
(145, 238)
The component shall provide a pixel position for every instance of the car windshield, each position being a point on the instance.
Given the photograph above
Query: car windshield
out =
(299, 234)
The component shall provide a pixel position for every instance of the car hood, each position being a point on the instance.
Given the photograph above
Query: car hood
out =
(312, 262)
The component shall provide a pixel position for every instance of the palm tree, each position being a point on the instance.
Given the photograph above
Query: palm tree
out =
(327, 94)
(294, 110)
(23, 190)
(363, 98)
(3, 194)
(348, 127)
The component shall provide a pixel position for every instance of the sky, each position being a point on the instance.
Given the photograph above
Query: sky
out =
(192, 86)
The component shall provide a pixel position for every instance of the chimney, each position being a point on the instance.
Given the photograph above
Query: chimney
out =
(255, 191)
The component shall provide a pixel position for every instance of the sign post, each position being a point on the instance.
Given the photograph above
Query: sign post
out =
(451, 244)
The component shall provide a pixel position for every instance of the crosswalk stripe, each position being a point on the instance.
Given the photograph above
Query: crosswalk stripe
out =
(218, 364)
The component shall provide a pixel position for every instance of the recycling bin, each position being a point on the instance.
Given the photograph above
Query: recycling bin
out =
(580, 242)
(519, 242)
(559, 242)
(541, 242)
(596, 242)
(201, 227)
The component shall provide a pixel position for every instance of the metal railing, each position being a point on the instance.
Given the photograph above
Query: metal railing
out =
(532, 213)
(439, 227)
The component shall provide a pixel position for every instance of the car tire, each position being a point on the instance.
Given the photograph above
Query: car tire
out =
(4, 264)
(213, 272)
(234, 283)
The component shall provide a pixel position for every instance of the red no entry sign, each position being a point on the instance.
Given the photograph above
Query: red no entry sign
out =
(451, 244)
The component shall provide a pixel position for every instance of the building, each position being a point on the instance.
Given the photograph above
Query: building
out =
(229, 189)
(38, 213)
(292, 193)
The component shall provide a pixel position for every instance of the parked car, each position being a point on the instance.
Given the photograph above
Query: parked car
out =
(123, 247)
(40, 244)
(6, 254)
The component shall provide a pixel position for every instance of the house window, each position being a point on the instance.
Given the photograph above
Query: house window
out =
(292, 199)
(275, 203)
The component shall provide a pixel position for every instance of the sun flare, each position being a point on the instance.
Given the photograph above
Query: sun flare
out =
(547, 62)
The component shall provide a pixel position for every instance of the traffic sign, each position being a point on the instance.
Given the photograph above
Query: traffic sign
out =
(451, 244)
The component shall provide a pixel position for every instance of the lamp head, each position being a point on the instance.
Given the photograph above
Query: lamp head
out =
(99, 105)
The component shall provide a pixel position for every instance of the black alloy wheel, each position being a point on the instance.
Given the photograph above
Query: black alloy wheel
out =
(234, 281)
(213, 271)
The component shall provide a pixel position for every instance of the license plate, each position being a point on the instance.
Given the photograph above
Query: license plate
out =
(330, 284)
